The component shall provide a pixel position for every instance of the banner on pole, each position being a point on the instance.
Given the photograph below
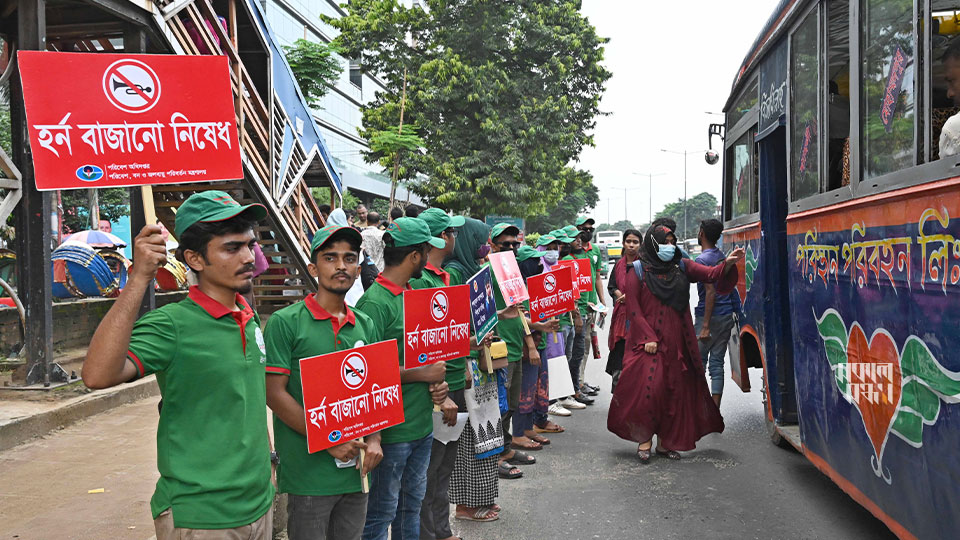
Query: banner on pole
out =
(509, 278)
(99, 120)
(350, 394)
(436, 324)
(551, 293)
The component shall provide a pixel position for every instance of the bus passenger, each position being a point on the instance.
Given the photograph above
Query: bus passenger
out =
(661, 389)
(950, 133)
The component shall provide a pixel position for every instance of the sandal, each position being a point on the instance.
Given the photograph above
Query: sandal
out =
(521, 458)
(495, 507)
(507, 472)
(540, 439)
(549, 427)
(669, 454)
(533, 448)
(481, 513)
(643, 454)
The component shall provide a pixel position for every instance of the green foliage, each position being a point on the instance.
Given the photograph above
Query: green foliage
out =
(504, 94)
(392, 143)
(699, 208)
(531, 239)
(576, 195)
(315, 66)
(114, 204)
(322, 196)
(621, 226)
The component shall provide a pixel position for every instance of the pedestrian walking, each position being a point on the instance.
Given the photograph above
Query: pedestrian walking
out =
(714, 313)
(616, 341)
(662, 390)
(209, 356)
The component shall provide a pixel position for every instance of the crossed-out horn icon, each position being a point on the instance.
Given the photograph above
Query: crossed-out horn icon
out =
(130, 91)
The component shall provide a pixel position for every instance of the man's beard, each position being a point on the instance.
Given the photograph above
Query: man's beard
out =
(245, 287)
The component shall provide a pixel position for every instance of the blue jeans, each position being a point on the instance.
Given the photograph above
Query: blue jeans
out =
(713, 350)
(397, 487)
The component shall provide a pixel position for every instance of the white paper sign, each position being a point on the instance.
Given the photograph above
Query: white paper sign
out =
(444, 433)
(561, 385)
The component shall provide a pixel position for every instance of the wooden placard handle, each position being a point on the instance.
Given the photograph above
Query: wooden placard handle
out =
(149, 212)
(364, 481)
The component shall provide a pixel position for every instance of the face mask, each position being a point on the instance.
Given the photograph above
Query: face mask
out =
(483, 251)
(666, 252)
(551, 256)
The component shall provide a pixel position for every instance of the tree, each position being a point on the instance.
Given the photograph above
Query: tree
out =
(391, 144)
(579, 194)
(699, 208)
(505, 95)
(322, 196)
(315, 67)
(114, 203)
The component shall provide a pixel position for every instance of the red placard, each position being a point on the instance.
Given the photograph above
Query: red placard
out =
(584, 275)
(349, 394)
(551, 293)
(107, 120)
(436, 324)
(574, 272)
(509, 278)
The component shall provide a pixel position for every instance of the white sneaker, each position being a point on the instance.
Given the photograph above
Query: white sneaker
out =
(570, 403)
(557, 409)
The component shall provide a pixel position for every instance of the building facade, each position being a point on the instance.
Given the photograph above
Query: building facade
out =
(338, 115)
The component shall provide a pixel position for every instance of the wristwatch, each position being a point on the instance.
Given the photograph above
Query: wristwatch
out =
(274, 458)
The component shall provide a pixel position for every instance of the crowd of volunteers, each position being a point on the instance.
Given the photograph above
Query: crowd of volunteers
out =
(219, 368)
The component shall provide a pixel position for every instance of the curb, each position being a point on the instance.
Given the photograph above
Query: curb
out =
(20, 430)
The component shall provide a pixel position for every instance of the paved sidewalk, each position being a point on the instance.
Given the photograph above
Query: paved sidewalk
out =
(43, 495)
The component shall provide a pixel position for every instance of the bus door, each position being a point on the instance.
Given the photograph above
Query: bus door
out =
(778, 342)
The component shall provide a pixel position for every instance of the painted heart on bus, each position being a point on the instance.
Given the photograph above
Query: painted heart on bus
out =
(875, 382)
(896, 391)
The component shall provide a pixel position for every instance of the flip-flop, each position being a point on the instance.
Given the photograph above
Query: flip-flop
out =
(669, 454)
(532, 448)
(540, 439)
(545, 429)
(521, 458)
(507, 472)
(482, 513)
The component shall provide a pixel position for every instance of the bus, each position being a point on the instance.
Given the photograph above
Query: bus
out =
(612, 242)
(841, 180)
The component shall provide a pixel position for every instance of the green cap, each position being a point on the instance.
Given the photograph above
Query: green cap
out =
(439, 221)
(584, 219)
(546, 239)
(571, 231)
(560, 235)
(324, 234)
(408, 231)
(501, 228)
(526, 252)
(209, 206)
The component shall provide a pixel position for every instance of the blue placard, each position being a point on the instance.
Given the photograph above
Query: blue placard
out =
(483, 307)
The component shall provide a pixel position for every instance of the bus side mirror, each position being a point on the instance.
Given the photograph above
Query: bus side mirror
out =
(713, 129)
(711, 157)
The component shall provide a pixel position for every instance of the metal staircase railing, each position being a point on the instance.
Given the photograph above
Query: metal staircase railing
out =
(278, 139)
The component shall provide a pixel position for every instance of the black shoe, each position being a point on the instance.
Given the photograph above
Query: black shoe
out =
(589, 390)
(583, 399)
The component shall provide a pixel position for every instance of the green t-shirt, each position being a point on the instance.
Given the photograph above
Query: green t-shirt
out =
(434, 277)
(303, 330)
(213, 451)
(509, 330)
(383, 303)
(587, 297)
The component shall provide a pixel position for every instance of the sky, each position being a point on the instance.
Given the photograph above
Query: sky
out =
(670, 69)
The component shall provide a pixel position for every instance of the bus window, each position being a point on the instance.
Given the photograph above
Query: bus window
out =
(945, 83)
(743, 106)
(887, 91)
(804, 104)
(838, 100)
(741, 177)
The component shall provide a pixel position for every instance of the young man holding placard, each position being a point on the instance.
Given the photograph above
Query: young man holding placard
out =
(398, 485)
(435, 511)
(325, 497)
(213, 450)
(593, 253)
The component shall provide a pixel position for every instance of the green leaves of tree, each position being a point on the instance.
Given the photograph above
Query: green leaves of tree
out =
(505, 95)
(315, 66)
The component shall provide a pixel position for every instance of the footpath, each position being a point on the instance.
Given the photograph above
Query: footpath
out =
(47, 482)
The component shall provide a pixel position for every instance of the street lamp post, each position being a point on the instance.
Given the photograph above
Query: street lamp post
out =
(684, 154)
(650, 191)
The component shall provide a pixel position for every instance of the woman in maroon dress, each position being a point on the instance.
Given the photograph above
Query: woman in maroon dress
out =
(662, 390)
